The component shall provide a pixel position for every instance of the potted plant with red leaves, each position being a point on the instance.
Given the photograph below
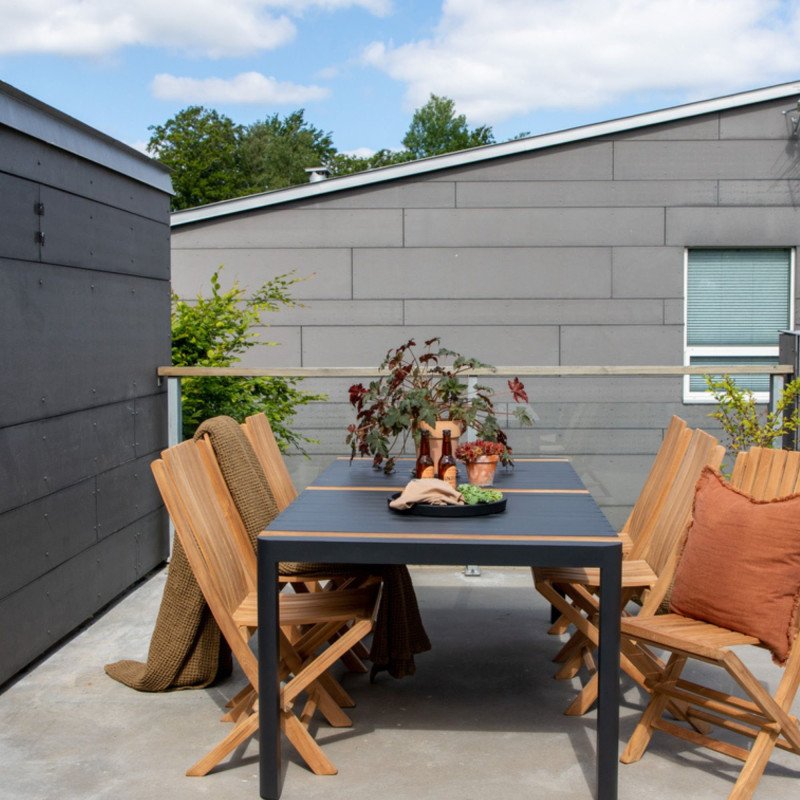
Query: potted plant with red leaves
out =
(423, 388)
(481, 459)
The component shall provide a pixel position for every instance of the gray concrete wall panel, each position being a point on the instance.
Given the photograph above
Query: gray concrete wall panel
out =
(37, 537)
(40, 163)
(367, 346)
(44, 611)
(762, 121)
(647, 271)
(542, 227)
(19, 223)
(287, 352)
(464, 272)
(50, 312)
(84, 233)
(730, 227)
(38, 458)
(398, 195)
(703, 127)
(149, 415)
(534, 312)
(704, 160)
(582, 162)
(621, 344)
(126, 494)
(338, 312)
(760, 193)
(578, 194)
(312, 228)
(327, 271)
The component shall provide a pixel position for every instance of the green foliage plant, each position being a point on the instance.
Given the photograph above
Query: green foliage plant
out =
(424, 387)
(744, 424)
(215, 331)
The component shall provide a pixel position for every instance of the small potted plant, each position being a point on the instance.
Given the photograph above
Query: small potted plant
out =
(481, 459)
(423, 388)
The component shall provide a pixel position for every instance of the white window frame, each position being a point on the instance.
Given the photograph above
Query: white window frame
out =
(724, 353)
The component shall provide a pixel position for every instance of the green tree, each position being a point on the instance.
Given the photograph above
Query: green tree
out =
(201, 148)
(435, 129)
(276, 152)
(214, 332)
(342, 164)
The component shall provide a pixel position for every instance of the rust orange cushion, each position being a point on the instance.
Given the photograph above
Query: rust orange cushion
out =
(740, 566)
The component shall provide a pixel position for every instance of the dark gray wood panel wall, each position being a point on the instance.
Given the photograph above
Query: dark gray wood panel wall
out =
(568, 255)
(84, 316)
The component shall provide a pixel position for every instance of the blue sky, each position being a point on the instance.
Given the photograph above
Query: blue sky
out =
(360, 67)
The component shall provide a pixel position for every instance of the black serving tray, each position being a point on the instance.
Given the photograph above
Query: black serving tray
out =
(423, 510)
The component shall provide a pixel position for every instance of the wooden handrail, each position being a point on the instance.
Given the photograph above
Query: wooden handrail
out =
(547, 371)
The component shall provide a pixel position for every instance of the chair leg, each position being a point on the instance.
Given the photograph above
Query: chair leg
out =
(240, 703)
(305, 745)
(241, 732)
(561, 625)
(655, 708)
(754, 767)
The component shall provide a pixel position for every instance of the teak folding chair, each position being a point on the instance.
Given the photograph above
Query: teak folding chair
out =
(644, 514)
(223, 562)
(646, 574)
(259, 433)
(764, 474)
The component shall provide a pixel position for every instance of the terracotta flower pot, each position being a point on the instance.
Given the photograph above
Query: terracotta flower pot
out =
(436, 437)
(481, 472)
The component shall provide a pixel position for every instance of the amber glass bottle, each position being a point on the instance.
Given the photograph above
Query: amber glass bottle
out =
(424, 460)
(447, 464)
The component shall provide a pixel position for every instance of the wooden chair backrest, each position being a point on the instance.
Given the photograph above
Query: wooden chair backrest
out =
(262, 439)
(665, 466)
(212, 535)
(766, 473)
(660, 547)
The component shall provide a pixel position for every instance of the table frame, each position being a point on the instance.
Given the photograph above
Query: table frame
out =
(383, 548)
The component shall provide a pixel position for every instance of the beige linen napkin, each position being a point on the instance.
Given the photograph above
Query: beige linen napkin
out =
(427, 490)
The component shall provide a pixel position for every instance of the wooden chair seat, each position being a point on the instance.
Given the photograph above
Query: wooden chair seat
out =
(673, 631)
(635, 574)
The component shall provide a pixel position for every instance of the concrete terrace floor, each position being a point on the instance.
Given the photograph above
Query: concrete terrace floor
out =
(480, 719)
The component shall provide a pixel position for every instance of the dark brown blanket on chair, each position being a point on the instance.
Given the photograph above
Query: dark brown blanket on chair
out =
(185, 646)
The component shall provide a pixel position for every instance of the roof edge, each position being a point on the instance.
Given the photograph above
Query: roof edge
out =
(483, 153)
(32, 117)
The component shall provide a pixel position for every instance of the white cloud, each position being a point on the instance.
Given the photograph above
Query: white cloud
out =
(506, 57)
(198, 27)
(247, 87)
(360, 152)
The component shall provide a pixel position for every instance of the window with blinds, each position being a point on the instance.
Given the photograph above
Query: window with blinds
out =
(737, 300)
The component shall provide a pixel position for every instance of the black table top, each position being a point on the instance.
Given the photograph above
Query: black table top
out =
(545, 501)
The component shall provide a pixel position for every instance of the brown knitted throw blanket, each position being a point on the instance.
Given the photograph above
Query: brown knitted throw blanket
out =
(185, 646)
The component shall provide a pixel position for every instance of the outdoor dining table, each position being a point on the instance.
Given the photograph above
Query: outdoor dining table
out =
(550, 520)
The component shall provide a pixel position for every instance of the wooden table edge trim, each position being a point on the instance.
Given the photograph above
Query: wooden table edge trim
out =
(400, 489)
(432, 536)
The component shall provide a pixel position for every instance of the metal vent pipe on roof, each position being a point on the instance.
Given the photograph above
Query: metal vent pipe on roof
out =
(317, 174)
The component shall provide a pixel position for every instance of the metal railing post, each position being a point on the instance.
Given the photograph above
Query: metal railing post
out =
(471, 570)
(174, 412)
(788, 353)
